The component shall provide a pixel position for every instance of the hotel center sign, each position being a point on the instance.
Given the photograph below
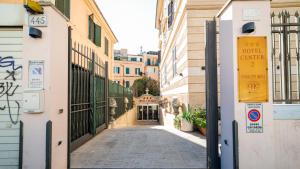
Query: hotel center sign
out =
(252, 69)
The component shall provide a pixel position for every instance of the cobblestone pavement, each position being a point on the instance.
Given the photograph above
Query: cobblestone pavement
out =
(142, 147)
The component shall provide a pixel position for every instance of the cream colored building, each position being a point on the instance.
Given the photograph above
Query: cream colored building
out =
(181, 25)
(128, 67)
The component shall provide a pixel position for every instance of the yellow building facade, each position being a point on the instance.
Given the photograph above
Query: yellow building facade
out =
(128, 67)
(181, 25)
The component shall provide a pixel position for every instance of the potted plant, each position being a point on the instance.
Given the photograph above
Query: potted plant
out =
(201, 124)
(186, 121)
(200, 119)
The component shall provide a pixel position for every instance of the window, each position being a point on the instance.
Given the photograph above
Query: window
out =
(141, 60)
(174, 61)
(63, 6)
(127, 70)
(127, 84)
(97, 35)
(106, 47)
(170, 13)
(137, 71)
(94, 32)
(151, 70)
(133, 59)
(117, 70)
(148, 62)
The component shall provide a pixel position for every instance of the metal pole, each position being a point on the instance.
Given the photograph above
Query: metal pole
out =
(235, 145)
(48, 145)
(21, 145)
(106, 90)
(69, 94)
(93, 95)
(211, 95)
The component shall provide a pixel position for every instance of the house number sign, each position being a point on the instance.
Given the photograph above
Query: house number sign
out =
(38, 20)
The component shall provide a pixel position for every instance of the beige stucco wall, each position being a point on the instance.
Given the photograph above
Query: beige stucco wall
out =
(176, 37)
(128, 119)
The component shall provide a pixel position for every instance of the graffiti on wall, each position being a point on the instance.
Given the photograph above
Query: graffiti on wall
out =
(9, 87)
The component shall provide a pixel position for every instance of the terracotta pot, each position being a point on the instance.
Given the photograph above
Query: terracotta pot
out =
(203, 131)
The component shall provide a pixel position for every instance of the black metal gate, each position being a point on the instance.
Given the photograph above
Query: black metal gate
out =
(89, 93)
(211, 83)
(285, 57)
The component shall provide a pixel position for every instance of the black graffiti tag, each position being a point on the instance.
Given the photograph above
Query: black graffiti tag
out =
(8, 89)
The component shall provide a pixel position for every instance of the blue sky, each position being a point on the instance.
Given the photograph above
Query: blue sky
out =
(133, 22)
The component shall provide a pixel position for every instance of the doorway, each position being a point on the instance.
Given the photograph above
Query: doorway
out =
(147, 113)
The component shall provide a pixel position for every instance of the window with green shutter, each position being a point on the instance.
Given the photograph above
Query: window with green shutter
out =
(97, 35)
(91, 28)
(106, 46)
(63, 6)
(94, 32)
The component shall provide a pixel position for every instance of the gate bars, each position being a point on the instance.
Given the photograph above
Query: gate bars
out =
(88, 96)
(119, 92)
(285, 57)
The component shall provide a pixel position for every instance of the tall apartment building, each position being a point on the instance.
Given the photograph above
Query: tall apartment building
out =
(129, 67)
(181, 25)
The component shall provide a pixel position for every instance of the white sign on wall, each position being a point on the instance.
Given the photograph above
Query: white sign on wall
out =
(254, 118)
(251, 14)
(36, 74)
(38, 20)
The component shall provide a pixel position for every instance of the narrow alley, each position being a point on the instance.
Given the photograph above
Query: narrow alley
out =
(142, 147)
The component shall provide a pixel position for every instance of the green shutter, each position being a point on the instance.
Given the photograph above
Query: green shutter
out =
(63, 6)
(97, 35)
(106, 47)
(91, 28)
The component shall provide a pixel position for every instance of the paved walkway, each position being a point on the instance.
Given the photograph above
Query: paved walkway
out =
(142, 147)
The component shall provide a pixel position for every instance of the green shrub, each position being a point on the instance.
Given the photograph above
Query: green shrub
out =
(200, 122)
(188, 116)
(177, 122)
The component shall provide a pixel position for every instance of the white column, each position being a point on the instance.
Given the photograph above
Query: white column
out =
(255, 148)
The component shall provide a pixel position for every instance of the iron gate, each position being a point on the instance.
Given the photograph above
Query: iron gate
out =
(89, 86)
(285, 57)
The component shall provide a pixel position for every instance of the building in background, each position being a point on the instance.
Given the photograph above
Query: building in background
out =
(128, 67)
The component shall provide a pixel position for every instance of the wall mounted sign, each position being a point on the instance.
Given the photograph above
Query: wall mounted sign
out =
(36, 74)
(38, 20)
(252, 69)
(254, 118)
(251, 14)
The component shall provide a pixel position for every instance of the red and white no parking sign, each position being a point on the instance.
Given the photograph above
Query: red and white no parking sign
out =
(254, 118)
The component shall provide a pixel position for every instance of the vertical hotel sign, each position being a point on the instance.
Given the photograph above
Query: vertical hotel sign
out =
(253, 69)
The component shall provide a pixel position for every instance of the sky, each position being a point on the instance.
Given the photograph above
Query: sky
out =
(133, 22)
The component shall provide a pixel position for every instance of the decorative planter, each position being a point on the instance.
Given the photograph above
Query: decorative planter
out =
(203, 131)
(186, 126)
